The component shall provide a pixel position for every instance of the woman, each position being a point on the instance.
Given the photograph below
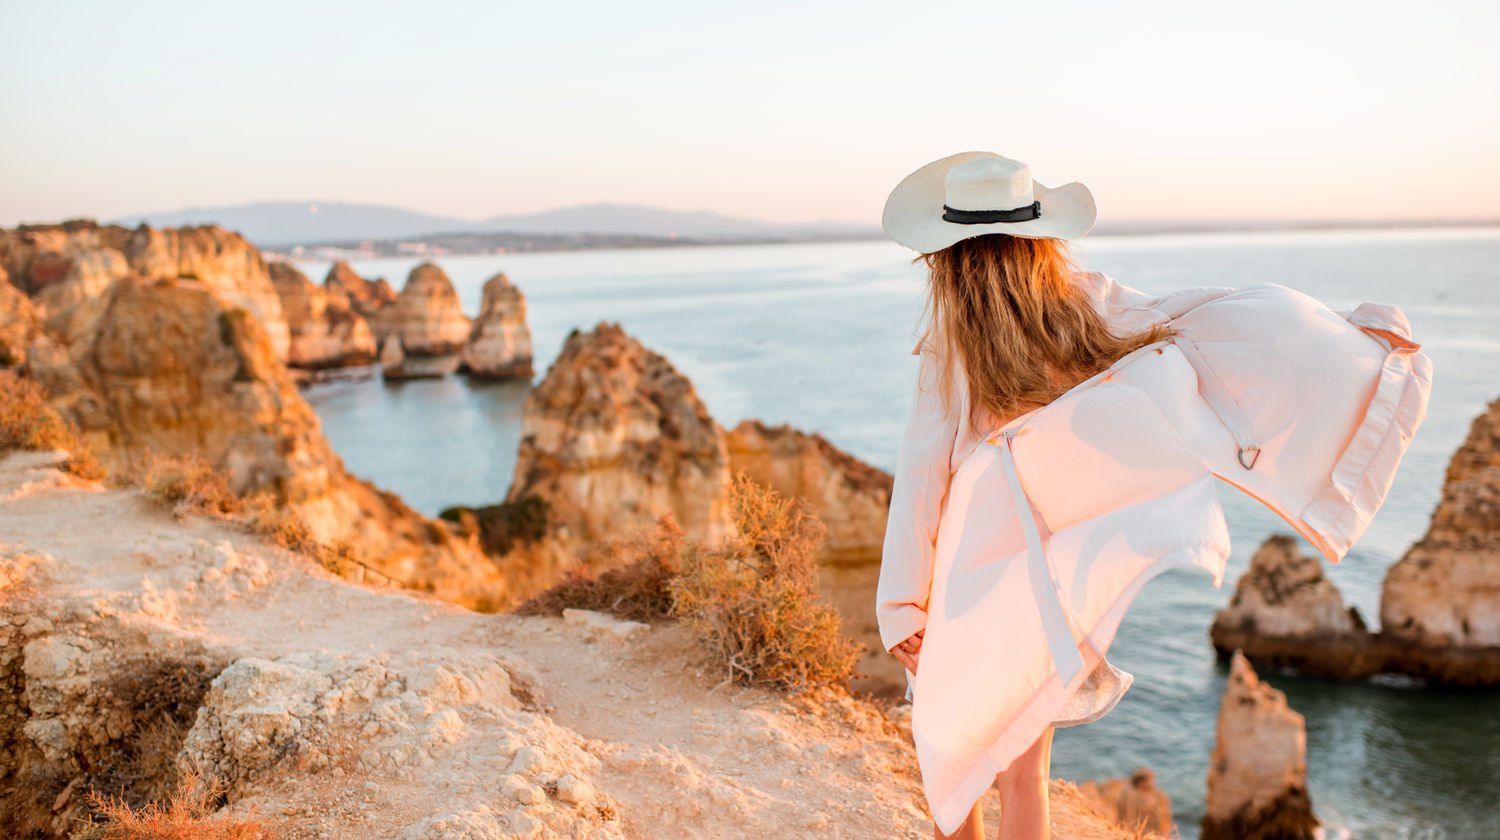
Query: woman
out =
(1010, 329)
(1063, 447)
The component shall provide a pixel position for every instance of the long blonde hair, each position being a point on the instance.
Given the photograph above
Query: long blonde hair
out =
(1010, 311)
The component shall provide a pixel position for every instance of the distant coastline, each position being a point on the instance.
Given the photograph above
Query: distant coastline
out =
(468, 243)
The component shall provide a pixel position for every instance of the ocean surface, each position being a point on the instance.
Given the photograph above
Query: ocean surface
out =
(819, 336)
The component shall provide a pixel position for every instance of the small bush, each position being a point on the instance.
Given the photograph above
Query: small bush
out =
(187, 815)
(504, 526)
(188, 484)
(636, 589)
(754, 601)
(28, 422)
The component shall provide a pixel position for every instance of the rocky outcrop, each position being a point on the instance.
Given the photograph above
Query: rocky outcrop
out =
(1257, 774)
(1286, 613)
(1133, 801)
(850, 496)
(614, 437)
(396, 365)
(325, 331)
(1440, 605)
(168, 368)
(366, 297)
(426, 315)
(131, 641)
(499, 345)
(64, 265)
(19, 324)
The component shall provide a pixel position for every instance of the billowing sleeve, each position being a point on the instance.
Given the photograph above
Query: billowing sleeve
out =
(922, 471)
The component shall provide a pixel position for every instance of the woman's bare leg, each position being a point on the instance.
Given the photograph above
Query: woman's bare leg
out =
(1024, 814)
(972, 829)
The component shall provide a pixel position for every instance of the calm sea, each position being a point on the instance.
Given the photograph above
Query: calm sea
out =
(819, 336)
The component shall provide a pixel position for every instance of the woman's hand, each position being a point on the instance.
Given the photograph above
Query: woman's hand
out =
(908, 650)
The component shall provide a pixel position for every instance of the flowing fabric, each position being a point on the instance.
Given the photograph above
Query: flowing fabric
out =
(1019, 551)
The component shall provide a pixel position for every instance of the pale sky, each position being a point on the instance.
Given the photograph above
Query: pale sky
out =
(779, 111)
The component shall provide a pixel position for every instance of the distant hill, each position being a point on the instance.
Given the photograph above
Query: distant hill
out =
(276, 224)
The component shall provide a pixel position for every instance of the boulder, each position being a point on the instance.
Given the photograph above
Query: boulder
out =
(850, 496)
(1440, 605)
(365, 296)
(614, 437)
(426, 315)
(1136, 801)
(1257, 774)
(325, 330)
(1286, 613)
(499, 345)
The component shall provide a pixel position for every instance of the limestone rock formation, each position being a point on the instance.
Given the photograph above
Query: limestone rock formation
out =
(63, 265)
(131, 641)
(325, 331)
(614, 437)
(1133, 801)
(426, 315)
(367, 297)
(1285, 612)
(1440, 605)
(499, 345)
(1257, 774)
(850, 496)
(19, 323)
(169, 368)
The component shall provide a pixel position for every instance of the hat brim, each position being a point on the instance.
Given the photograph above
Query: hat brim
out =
(913, 214)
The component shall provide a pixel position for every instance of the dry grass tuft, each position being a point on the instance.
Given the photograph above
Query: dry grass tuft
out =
(187, 484)
(634, 585)
(753, 601)
(186, 815)
(28, 422)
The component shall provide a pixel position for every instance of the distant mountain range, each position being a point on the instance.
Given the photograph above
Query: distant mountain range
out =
(276, 224)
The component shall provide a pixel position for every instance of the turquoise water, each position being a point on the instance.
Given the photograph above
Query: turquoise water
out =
(819, 336)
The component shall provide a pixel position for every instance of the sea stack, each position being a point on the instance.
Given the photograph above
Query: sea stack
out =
(426, 315)
(1440, 605)
(614, 437)
(1286, 613)
(325, 330)
(499, 345)
(1257, 774)
(366, 297)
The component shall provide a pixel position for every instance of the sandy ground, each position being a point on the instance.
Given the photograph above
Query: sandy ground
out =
(354, 711)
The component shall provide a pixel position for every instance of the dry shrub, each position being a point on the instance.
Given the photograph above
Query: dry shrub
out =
(187, 484)
(186, 815)
(634, 584)
(753, 601)
(28, 422)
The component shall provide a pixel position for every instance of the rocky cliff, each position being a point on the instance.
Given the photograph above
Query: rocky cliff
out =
(499, 345)
(19, 323)
(366, 297)
(1257, 775)
(165, 366)
(1440, 605)
(426, 315)
(61, 266)
(333, 710)
(325, 330)
(614, 437)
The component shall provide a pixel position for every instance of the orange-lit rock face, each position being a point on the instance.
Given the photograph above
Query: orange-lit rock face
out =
(63, 266)
(1445, 593)
(365, 296)
(499, 344)
(325, 330)
(426, 315)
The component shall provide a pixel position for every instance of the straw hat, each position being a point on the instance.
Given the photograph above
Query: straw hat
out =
(975, 193)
